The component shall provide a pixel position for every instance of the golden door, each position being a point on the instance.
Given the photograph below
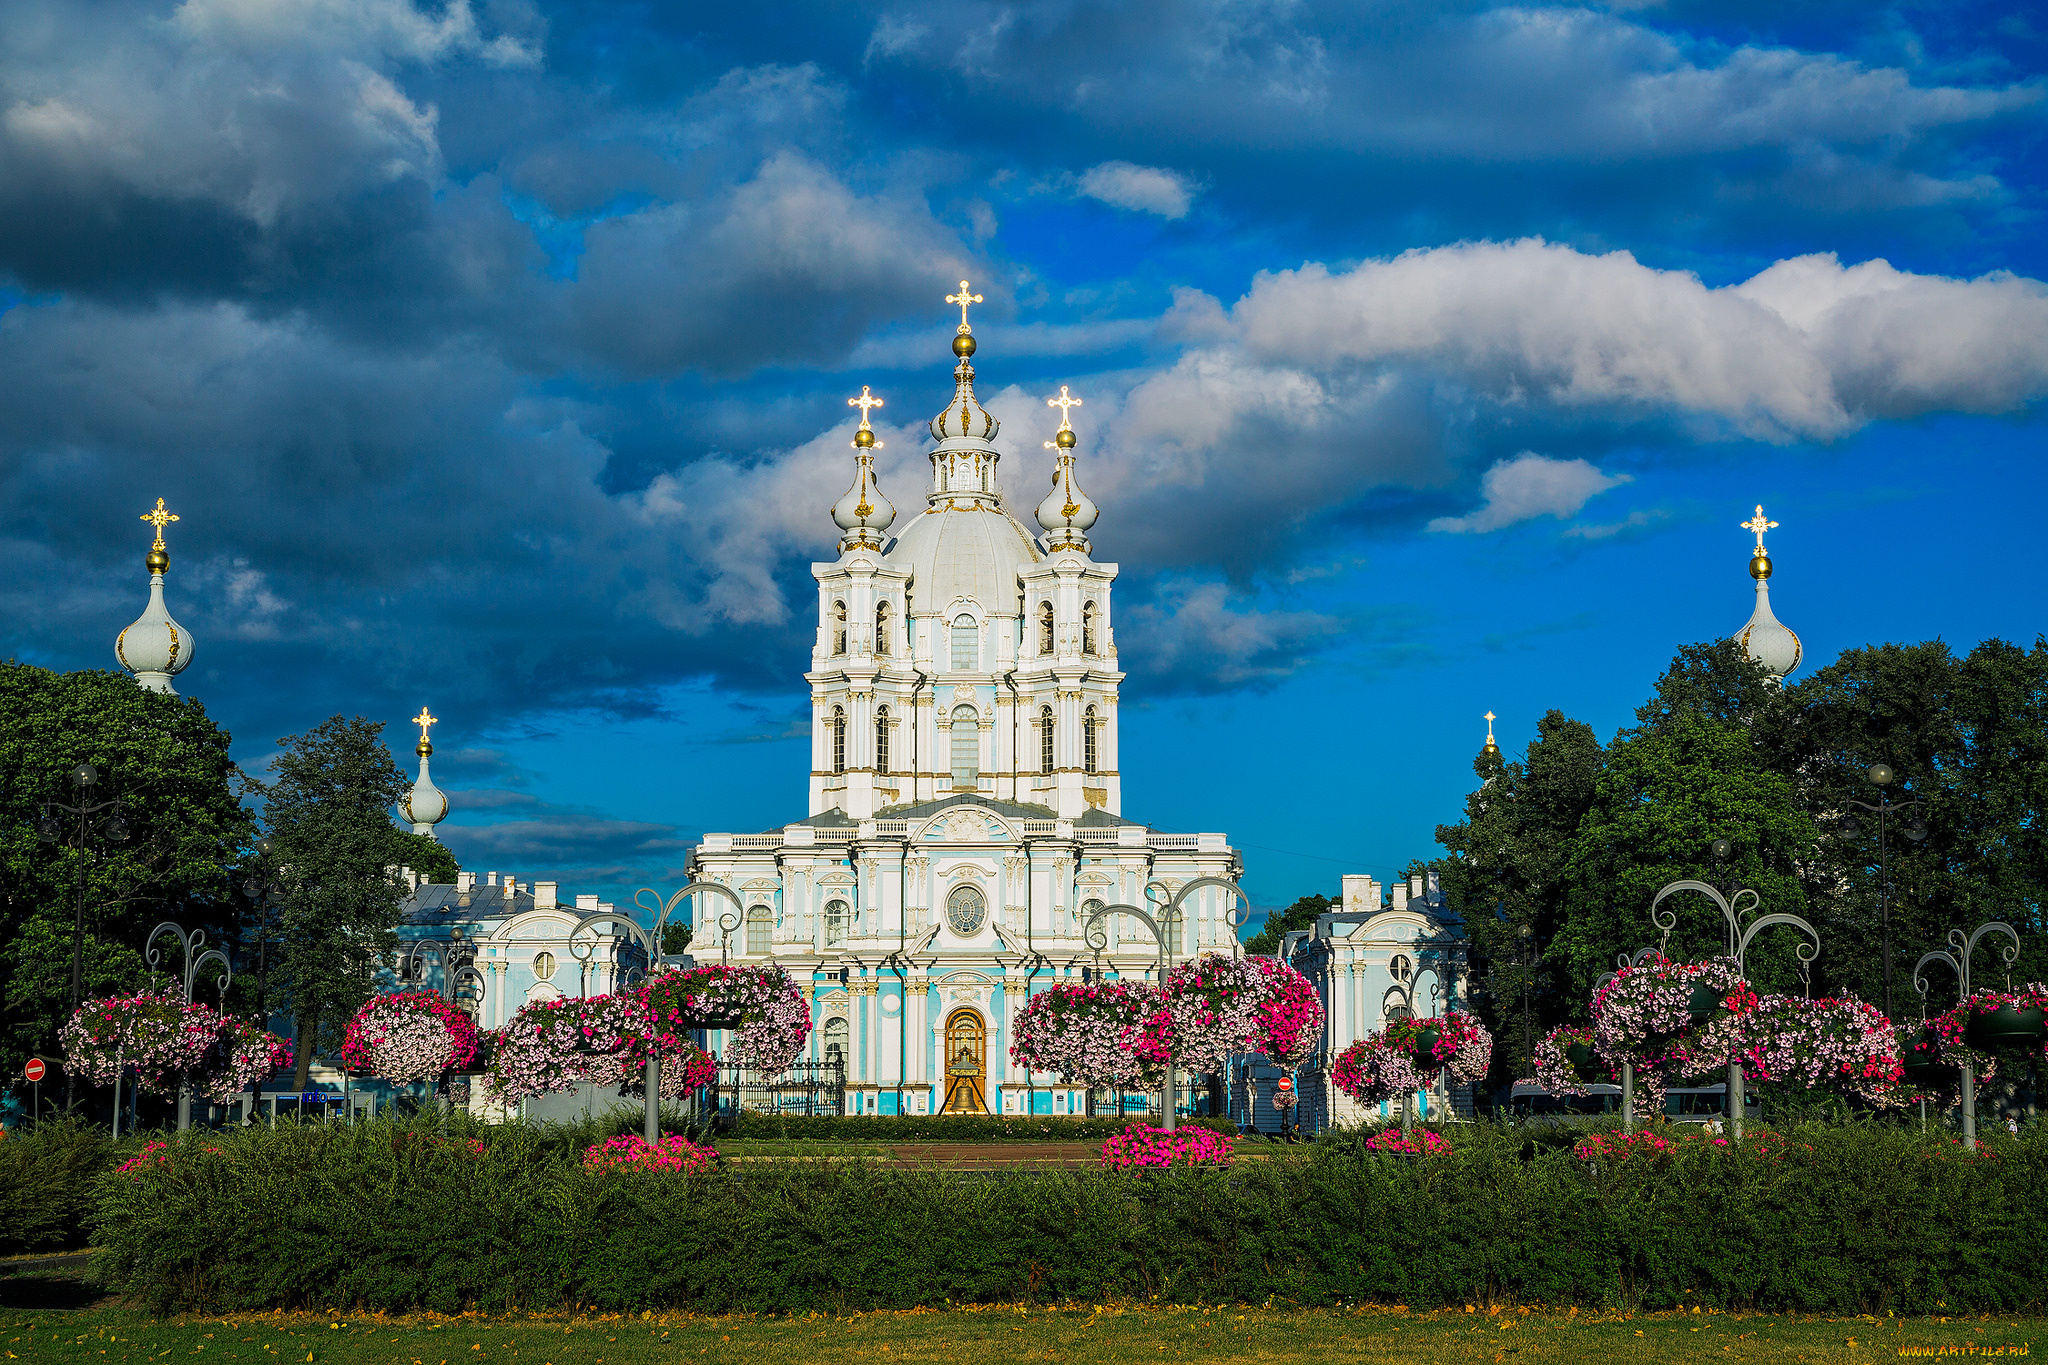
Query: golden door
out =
(966, 1063)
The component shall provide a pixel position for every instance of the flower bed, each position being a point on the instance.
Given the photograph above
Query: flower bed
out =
(1141, 1147)
(411, 1036)
(632, 1152)
(1424, 1142)
(768, 1012)
(164, 1039)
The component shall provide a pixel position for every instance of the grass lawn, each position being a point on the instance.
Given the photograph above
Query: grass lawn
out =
(104, 1332)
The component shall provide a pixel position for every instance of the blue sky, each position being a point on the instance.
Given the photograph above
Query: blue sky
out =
(496, 357)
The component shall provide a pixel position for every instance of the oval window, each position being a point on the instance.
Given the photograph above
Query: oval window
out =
(966, 910)
(543, 966)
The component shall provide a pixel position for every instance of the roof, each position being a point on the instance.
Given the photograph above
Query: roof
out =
(1016, 810)
(438, 904)
(964, 549)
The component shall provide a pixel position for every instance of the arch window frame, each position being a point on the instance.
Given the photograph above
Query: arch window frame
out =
(838, 741)
(965, 643)
(1046, 756)
(838, 625)
(836, 1037)
(1045, 628)
(882, 741)
(1088, 628)
(965, 743)
(1090, 757)
(882, 615)
(760, 929)
(838, 922)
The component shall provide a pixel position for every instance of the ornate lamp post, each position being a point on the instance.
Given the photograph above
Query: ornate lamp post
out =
(1882, 777)
(1096, 934)
(1959, 963)
(583, 944)
(109, 828)
(1744, 902)
(263, 888)
(197, 955)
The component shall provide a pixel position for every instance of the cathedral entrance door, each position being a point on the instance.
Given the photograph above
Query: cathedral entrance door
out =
(966, 1063)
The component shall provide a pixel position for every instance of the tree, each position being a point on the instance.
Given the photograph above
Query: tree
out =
(1300, 915)
(1714, 681)
(1663, 799)
(332, 840)
(169, 764)
(428, 857)
(1506, 877)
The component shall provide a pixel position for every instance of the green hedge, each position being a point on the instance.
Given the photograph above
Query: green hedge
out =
(48, 1174)
(886, 1128)
(384, 1217)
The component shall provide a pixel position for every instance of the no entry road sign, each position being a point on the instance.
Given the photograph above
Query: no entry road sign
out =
(35, 1070)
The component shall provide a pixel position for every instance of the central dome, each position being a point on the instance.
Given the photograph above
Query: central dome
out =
(964, 549)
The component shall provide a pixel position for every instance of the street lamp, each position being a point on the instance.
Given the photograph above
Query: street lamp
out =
(109, 829)
(263, 888)
(1882, 777)
(1959, 962)
(197, 955)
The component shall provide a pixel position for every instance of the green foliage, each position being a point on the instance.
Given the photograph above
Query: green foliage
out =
(385, 1217)
(1300, 915)
(886, 1128)
(675, 939)
(428, 857)
(169, 765)
(48, 1178)
(1662, 800)
(332, 841)
(1508, 879)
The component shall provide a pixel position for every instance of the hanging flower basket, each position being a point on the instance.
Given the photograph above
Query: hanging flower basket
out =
(1565, 1060)
(244, 1053)
(1642, 1011)
(1703, 1000)
(1088, 1035)
(1844, 1044)
(1455, 1040)
(1424, 1048)
(768, 1013)
(1996, 1020)
(1374, 1070)
(1922, 1063)
(411, 1036)
(160, 1038)
(1580, 1055)
(1290, 1017)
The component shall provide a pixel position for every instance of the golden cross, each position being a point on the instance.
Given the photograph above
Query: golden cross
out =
(160, 518)
(1065, 404)
(864, 402)
(423, 720)
(1489, 727)
(1759, 525)
(963, 298)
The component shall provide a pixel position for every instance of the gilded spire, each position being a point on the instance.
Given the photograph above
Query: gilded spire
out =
(1067, 512)
(863, 513)
(1491, 747)
(159, 557)
(426, 722)
(964, 417)
(1764, 638)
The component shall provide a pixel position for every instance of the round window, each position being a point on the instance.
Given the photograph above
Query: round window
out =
(965, 910)
(543, 966)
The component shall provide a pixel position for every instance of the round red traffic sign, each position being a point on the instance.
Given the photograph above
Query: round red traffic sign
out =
(35, 1070)
(1286, 1083)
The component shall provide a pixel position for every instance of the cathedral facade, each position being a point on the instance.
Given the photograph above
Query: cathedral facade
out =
(965, 817)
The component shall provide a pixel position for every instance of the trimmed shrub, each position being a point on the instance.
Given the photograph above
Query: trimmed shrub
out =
(388, 1217)
(47, 1184)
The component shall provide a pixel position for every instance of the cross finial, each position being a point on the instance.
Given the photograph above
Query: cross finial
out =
(158, 517)
(1065, 404)
(425, 722)
(963, 298)
(1489, 730)
(1759, 525)
(864, 402)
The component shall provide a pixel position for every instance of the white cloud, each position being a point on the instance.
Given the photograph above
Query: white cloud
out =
(1531, 485)
(1142, 189)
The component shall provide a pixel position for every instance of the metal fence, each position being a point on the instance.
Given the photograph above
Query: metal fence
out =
(799, 1088)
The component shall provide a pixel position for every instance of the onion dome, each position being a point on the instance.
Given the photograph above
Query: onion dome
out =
(864, 513)
(155, 647)
(964, 417)
(426, 805)
(1763, 638)
(1067, 512)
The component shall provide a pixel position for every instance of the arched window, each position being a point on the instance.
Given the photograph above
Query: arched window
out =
(1088, 724)
(882, 742)
(1045, 739)
(1088, 909)
(760, 930)
(836, 1036)
(835, 923)
(838, 739)
(1088, 629)
(966, 644)
(882, 627)
(966, 746)
(839, 627)
(1045, 627)
(966, 910)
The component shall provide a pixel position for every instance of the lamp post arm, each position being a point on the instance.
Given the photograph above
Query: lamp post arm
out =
(1969, 946)
(1922, 985)
(583, 938)
(1669, 920)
